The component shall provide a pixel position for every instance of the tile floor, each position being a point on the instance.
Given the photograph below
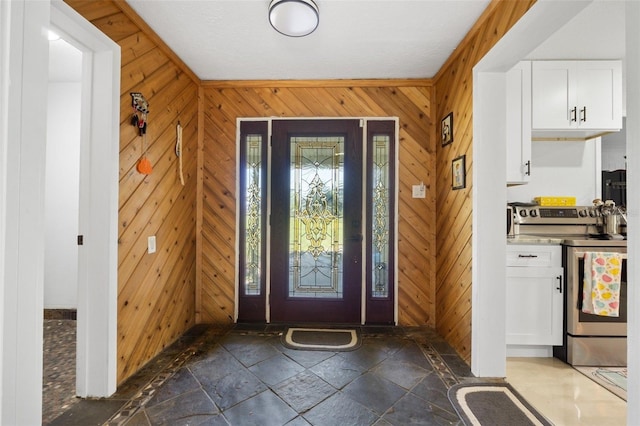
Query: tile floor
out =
(563, 395)
(398, 376)
(246, 376)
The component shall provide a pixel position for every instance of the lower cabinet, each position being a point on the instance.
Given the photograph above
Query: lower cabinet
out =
(534, 295)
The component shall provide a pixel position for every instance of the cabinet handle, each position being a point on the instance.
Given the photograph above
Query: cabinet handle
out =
(573, 114)
(583, 114)
(528, 164)
(559, 288)
(528, 255)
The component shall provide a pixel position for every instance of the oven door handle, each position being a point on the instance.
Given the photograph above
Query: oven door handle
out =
(580, 254)
(559, 288)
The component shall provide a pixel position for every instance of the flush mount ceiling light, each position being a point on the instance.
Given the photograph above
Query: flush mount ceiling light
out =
(294, 18)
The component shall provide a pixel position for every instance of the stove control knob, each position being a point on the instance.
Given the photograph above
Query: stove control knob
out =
(583, 213)
(533, 213)
(523, 213)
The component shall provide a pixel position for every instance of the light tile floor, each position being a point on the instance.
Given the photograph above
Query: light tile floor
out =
(563, 395)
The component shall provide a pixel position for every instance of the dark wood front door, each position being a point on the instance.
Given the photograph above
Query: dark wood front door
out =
(316, 221)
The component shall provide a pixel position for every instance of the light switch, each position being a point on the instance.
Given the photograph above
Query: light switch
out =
(151, 244)
(419, 191)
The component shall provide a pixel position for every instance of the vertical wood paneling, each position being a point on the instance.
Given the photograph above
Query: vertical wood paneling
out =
(156, 293)
(408, 100)
(453, 88)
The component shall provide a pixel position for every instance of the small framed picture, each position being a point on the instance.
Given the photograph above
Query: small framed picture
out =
(458, 172)
(446, 129)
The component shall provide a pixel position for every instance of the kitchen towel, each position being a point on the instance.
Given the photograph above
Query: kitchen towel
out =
(601, 284)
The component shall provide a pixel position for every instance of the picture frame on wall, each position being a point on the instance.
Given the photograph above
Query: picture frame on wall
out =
(446, 129)
(458, 173)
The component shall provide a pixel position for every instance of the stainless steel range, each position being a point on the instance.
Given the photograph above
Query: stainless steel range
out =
(588, 339)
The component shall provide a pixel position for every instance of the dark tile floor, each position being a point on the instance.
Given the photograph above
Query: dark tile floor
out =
(245, 376)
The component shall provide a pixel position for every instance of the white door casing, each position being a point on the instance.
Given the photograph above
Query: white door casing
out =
(96, 358)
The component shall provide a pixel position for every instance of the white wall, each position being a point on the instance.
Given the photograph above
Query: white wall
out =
(62, 176)
(633, 208)
(562, 168)
(22, 141)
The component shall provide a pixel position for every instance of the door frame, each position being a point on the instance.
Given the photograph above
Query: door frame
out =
(96, 349)
(365, 240)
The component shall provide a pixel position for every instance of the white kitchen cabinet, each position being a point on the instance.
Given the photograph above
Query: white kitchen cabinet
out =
(534, 295)
(518, 124)
(576, 99)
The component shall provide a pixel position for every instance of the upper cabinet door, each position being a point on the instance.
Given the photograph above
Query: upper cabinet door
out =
(582, 99)
(599, 95)
(553, 94)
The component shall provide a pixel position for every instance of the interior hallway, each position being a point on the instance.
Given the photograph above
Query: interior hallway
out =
(398, 376)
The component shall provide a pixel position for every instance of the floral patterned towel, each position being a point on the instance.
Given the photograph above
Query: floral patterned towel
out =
(601, 291)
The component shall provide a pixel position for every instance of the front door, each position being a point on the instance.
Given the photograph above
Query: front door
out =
(316, 228)
(316, 221)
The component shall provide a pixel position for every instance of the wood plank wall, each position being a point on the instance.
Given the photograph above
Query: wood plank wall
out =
(410, 100)
(453, 87)
(156, 293)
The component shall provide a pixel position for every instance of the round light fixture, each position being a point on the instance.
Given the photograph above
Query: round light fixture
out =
(294, 18)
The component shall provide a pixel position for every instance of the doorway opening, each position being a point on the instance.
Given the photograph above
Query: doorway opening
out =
(317, 221)
(62, 186)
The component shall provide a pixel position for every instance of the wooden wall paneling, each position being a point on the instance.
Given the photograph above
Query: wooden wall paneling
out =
(153, 83)
(137, 71)
(117, 26)
(141, 222)
(142, 189)
(136, 264)
(94, 9)
(159, 320)
(199, 199)
(453, 88)
(279, 104)
(409, 100)
(421, 99)
(156, 293)
(132, 181)
(356, 102)
(218, 204)
(168, 223)
(456, 273)
(133, 47)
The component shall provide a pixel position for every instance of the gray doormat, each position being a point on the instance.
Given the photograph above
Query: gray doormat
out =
(493, 404)
(321, 339)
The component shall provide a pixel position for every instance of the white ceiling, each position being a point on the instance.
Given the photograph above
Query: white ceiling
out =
(233, 40)
(356, 39)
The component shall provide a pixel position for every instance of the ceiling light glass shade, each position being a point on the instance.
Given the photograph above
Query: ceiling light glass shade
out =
(294, 18)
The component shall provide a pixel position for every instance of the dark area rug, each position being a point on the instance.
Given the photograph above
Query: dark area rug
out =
(493, 404)
(321, 339)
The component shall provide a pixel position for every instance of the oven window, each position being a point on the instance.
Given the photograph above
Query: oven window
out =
(623, 297)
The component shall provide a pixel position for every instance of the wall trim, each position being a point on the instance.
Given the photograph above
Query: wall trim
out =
(231, 84)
